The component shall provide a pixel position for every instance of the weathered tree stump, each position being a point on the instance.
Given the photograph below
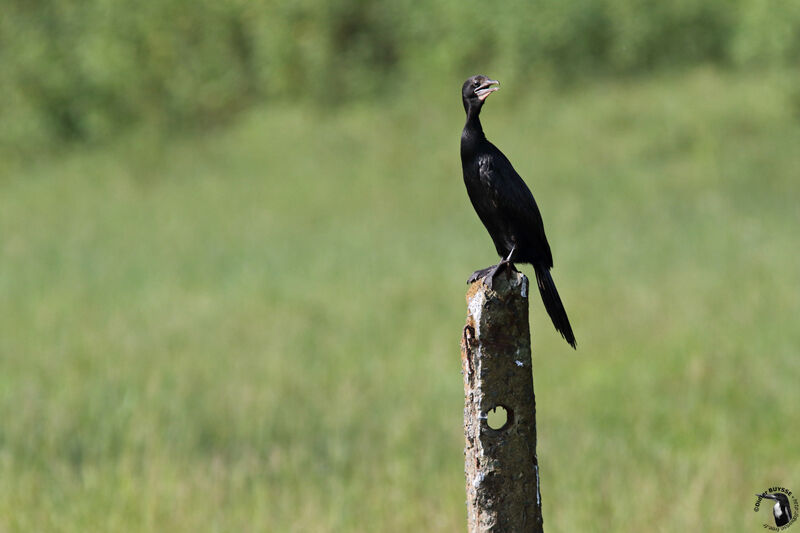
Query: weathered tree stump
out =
(500, 462)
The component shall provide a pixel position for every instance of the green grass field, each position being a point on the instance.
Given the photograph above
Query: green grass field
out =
(257, 329)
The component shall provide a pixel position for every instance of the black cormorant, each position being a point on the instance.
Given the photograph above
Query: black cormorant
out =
(506, 206)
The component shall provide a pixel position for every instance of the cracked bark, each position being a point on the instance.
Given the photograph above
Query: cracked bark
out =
(502, 473)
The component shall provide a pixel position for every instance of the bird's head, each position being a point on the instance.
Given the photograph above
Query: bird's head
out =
(777, 496)
(476, 89)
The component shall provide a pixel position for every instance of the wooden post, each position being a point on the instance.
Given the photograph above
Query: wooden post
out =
(500, 459)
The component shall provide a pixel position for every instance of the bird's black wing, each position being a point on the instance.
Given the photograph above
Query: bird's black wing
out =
(521, 214)
(515, 200)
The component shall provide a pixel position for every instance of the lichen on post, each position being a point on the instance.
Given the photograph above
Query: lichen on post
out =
(501, 467)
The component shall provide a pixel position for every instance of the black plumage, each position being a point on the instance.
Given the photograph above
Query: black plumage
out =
(506, 206)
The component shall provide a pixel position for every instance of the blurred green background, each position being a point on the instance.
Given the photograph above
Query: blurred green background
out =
(234, 239)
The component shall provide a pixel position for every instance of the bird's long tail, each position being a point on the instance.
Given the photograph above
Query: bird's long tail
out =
(552, 303)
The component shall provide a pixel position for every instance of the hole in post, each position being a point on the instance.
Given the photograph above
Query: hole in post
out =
(499, 418)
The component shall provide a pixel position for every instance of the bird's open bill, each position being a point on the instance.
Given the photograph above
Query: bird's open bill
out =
(770, 496)
(487, 88)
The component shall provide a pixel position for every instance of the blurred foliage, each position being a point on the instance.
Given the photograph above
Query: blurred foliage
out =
(248, 331)
(83, 70)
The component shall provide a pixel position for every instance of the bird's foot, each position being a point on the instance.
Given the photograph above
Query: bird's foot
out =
(488, 273)
(479, 274)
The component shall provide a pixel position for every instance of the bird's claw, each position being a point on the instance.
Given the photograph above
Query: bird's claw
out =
(499, 267)
(479, 274)
(488, 274)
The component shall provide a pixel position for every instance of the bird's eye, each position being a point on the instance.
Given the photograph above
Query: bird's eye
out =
(476, 83)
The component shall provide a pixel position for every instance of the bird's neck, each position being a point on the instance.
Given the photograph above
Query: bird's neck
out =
(473, 131)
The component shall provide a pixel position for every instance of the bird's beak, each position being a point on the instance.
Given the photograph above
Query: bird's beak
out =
(768, 496)
(487, 88)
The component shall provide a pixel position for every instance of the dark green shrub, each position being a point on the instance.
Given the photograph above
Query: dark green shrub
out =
(83, 70)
